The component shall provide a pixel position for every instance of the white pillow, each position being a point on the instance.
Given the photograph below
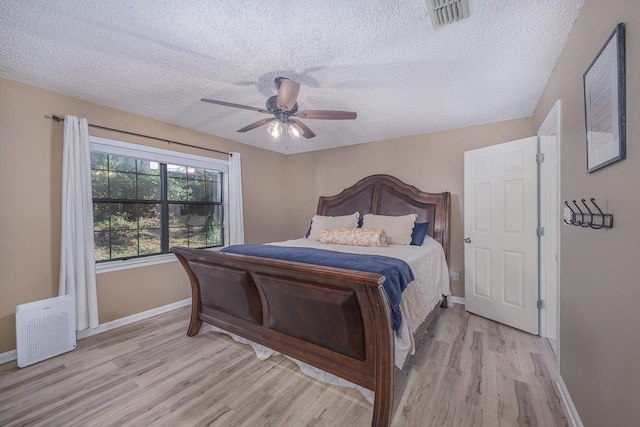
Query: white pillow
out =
(319, 223)
(397, 228)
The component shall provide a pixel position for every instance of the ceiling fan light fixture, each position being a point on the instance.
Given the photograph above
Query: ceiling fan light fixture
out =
(284, 108)
(275, 129)
(294, 131)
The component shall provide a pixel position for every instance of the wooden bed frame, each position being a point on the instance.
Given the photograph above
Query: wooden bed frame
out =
(335, 319)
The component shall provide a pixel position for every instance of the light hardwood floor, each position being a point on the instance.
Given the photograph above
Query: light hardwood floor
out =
(469, 371)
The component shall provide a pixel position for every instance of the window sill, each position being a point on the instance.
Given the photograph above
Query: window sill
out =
(110, 266)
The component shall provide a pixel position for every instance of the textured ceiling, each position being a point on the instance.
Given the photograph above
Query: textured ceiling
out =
(379, 58)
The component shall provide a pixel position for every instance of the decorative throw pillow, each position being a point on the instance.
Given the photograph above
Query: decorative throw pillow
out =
(419, 232)
(319, 223)
(353, 236)
(397, 228)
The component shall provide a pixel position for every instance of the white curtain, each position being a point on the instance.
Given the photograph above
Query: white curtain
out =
(77, 262)
(236, 217)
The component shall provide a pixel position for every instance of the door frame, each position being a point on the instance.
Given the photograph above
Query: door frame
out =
(551, 126)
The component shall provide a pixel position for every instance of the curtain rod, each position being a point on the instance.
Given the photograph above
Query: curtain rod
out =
(168, 141)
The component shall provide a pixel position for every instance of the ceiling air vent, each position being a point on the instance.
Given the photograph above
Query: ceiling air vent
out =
(444, 12)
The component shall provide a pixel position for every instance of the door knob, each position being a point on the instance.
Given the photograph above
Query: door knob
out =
(467, 240)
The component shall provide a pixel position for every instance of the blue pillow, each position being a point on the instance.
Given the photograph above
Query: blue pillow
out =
(360, 222)
(419, 232)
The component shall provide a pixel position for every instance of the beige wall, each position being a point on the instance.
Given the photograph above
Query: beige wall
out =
(280, 193)
(600, 289)
(432, 162)
(30, 175)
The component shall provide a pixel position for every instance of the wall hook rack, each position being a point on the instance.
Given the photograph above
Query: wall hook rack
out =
(595, 219)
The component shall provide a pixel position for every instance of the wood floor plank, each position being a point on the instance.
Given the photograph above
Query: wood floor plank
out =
(476, 386)
(509, 364)
(507, 371)
(526, 414)
(449, 399)
(67, 405)
(548, 392)
(468, 371)
(508, 334)
(98, 414)
(329, 407)
(422, 389)
(446, 327)
(469, 415)
(496, 339)
(491, 403)
(170, 388)
(295, 411)
(459, 342)
(12, 391)
(341, 413)
(200, 412)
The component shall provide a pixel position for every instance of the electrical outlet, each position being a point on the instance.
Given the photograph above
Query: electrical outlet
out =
(456, 275)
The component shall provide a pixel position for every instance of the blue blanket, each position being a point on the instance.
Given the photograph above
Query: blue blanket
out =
(397, 272)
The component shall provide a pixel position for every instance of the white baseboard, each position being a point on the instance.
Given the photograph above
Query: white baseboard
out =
(133, 318)
(455, 300)
(8, 356)
(11, 355)
(572, 412)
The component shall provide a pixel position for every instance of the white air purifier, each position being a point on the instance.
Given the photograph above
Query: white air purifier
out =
(44, 329)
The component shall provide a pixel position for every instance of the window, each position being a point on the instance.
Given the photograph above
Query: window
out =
(146, 200)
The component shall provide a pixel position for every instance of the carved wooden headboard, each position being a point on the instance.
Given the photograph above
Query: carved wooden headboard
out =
(387, 195)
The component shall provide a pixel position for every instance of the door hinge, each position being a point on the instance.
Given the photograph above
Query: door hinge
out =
(540, 157)
(541, 304)
(540, 231)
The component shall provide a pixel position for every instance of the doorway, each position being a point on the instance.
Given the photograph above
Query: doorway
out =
(549, 214)
(512, 231)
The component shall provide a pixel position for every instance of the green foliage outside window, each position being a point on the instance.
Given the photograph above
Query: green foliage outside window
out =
(128, 206)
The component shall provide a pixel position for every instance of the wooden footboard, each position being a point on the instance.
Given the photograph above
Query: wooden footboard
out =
(337, 320)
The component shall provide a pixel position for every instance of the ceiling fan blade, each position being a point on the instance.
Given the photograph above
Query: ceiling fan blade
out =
(287, 94)
(307, 133)
(256, 125)
(326, 115)
(230, 104)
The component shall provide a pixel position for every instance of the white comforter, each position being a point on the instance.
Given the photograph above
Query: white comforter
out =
(431, 273)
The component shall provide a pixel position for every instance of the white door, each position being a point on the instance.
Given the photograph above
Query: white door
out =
(501, 244)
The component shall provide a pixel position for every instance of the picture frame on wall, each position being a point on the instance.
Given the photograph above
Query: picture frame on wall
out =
(605, 104)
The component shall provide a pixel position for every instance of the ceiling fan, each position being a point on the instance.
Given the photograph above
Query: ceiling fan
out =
(284, 107)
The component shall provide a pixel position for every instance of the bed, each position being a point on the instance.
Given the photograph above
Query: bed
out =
(338, 320)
